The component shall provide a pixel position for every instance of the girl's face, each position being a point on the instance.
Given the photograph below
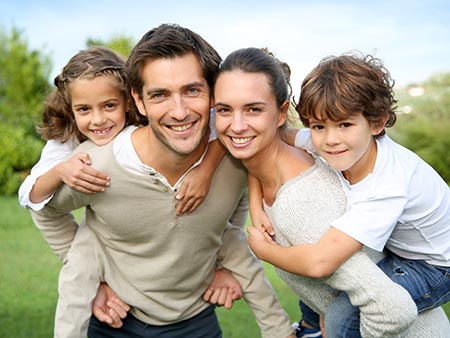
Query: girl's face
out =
(247, 116)
(99, 107)
(347, 145)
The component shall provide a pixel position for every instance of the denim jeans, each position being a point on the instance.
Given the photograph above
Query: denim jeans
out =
(428, 285)
(203, 325)
(308, 315)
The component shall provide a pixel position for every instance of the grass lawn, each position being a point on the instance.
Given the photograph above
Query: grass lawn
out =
(29, 274)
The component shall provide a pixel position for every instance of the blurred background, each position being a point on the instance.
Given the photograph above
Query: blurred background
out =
(37, 38)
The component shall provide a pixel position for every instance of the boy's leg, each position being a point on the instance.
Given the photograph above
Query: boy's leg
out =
(342, 319)
(309, 325)
(428, 285)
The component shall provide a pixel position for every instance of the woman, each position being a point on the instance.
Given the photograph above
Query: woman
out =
(301, 195)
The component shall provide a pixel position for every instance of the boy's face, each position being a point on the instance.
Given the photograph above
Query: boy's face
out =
(347, 145)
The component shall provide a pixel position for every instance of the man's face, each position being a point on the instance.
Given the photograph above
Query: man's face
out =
(176, 100)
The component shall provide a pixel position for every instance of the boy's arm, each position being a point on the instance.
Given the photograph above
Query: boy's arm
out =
(311, 260)
(195, 185)
(288, 135)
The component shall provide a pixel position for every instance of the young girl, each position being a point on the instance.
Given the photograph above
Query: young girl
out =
(395, 200)
(91, 101)
(300, 193)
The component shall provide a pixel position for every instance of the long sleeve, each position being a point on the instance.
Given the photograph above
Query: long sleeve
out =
(52, 154)
(58, 226)
(236, 257)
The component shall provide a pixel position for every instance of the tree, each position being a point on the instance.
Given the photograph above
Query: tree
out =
(121, 44)
(424, 122)
(24, 84)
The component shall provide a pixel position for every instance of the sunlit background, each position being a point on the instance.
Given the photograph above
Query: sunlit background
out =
(412, 37)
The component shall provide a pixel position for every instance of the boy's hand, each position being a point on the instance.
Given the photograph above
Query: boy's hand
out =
(223, 290)
(108, 307)
(78, 174)
(194, 188)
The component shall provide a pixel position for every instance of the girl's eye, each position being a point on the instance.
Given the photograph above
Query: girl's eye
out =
(110, 105)
(82, 110)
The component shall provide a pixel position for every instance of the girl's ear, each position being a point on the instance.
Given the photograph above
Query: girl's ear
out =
(283, 113)
(139, 104)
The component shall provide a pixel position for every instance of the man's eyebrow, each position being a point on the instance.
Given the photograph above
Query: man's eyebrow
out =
(193, 84)
(155, 90)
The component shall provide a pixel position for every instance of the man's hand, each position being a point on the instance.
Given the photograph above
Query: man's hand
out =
(108, 307)
(224, 289)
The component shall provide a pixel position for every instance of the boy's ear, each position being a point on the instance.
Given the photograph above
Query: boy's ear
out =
(378, 127)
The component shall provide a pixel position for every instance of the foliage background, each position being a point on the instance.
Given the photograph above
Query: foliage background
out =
(422, 125)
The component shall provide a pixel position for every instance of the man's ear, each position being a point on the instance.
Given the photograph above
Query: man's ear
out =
(138, 101)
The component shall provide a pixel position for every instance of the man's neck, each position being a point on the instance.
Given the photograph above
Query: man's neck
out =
(158, 156)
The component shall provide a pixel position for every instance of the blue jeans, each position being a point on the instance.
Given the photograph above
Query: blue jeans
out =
(428, 285)
(308, 315)
(203, 325)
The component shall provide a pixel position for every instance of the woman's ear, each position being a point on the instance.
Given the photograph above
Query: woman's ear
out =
(283, 113)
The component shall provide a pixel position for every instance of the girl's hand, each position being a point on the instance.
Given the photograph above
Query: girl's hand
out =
(193, 190)
(261, 221)
(78, 174)
(259, 242)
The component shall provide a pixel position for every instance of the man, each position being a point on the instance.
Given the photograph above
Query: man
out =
(156, 261)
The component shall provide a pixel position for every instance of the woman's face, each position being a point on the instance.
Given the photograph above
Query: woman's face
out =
(247, 116)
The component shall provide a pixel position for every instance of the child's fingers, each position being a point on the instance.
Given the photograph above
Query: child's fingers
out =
(84, 157)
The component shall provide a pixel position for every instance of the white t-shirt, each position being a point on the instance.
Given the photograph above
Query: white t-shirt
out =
(403, 204)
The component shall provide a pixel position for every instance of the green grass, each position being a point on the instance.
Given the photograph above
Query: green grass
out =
(29, 277)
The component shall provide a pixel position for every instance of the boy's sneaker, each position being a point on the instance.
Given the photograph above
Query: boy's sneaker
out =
(306, 332)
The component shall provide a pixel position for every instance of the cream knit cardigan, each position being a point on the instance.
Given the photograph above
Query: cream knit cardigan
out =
(302, 212)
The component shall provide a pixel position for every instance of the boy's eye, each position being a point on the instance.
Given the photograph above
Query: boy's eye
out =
(345, 124)
(316, 126)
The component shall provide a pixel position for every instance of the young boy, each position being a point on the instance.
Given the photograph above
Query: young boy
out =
(396, 201)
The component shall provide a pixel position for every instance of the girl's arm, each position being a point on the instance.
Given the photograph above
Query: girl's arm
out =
(311, 260)
(257, 214)
(195, 185)
(76, 172)
(52, 155)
